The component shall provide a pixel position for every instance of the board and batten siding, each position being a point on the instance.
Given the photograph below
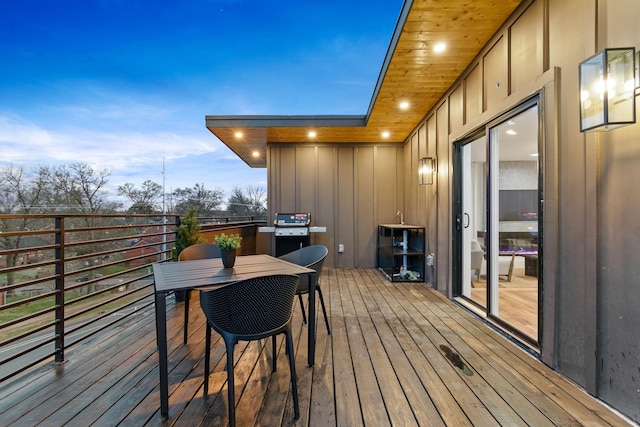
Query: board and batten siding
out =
(348, 188)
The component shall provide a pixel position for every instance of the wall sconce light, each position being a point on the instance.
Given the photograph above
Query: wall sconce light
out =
(607, 90)
(426, 170)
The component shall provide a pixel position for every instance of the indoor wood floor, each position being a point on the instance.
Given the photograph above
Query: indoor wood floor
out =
(398, 354)
(518, 301)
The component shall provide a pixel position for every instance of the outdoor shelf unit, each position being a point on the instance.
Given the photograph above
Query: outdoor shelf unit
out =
(400, 246)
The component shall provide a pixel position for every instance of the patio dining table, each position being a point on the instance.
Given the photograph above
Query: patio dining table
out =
(173, 276)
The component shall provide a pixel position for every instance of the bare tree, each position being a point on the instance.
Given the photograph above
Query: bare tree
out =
(20, 193)
(145, 199)
(258, 200)
(79, 188)
(249, 202)
(205, 201)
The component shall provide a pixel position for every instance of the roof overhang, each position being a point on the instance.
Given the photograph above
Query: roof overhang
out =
(411, 73)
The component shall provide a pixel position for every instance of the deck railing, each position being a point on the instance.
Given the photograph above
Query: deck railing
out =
(64, 278)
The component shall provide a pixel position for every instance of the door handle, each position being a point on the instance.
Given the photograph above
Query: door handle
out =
(468, 220)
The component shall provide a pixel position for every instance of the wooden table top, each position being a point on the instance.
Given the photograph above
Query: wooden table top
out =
(171, 276)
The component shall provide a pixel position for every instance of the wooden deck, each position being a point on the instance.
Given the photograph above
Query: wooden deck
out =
(398, 354)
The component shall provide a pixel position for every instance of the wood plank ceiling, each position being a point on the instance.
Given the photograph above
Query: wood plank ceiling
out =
(412, 73)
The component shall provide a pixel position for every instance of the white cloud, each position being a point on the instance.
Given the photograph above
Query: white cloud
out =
(23, 142)
(130, 156)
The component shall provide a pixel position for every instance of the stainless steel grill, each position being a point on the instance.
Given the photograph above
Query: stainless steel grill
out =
(292, 231)
(294, 224)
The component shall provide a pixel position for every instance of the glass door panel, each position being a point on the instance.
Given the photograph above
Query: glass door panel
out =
(474, 207)
(513, 222)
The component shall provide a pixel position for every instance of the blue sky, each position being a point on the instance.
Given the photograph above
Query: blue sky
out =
(122, 84)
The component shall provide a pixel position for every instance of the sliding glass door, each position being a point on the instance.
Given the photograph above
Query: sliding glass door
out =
(498, 203)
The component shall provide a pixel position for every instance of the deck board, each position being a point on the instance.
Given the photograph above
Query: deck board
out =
(426, 362)
(384, 363)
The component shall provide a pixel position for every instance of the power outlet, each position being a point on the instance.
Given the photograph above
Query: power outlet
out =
(340, 248)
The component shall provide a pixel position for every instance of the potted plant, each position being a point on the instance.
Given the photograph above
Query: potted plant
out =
(228, 245)
(187, 234)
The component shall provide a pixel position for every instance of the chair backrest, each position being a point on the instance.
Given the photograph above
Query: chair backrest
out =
(200, 251)
(250, 307)
(309, 256)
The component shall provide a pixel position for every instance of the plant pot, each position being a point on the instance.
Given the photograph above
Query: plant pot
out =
(228, 257)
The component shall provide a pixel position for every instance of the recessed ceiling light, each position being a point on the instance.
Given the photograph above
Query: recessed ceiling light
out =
(255, 153)
(385, 134)
(404, 105)
(238, 134)
(439, 47)
(312, 134)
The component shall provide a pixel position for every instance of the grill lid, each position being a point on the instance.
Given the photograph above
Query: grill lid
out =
(292, 219)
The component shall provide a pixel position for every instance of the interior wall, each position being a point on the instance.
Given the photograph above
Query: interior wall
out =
(518, 175)
(348, 188)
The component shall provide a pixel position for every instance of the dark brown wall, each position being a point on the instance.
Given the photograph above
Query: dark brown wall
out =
(614, 254)
(347, 188)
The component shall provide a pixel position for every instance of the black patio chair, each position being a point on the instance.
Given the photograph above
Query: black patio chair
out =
(249, 310)
(311, 257)
(193, 252)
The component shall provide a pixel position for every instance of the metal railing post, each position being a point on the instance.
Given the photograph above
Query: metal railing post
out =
(59, 299)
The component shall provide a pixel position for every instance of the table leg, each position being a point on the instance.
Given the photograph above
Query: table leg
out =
(312, 319)
(161, 337)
